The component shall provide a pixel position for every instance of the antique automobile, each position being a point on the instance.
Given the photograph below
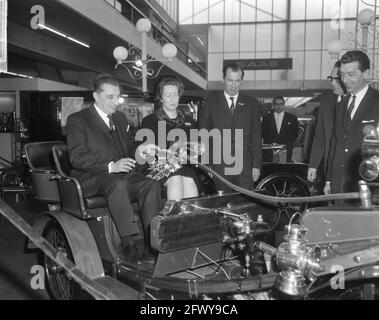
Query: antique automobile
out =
(219, 246)
(278, 178)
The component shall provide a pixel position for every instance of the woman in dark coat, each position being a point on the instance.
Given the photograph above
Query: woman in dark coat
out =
(182, 183)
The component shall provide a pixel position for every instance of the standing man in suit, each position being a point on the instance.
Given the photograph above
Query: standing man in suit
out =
(325, 125)
(280, 127)
(358, 109)
(231, 110)
(102, 156)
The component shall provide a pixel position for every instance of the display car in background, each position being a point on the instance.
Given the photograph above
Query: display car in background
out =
(217, 246)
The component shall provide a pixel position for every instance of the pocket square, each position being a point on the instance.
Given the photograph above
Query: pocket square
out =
(187, 124)
(241, 104)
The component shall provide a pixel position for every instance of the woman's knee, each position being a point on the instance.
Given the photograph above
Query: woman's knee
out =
(174, 188)
(189, 187)
(187, 181)
(175, 182)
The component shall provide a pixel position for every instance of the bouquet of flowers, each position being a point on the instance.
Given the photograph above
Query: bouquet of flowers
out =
(167, 161)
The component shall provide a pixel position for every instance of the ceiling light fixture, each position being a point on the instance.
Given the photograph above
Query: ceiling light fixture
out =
(52, 30)
(42, 26)
(17, 74)
(138, 67)
(78, 42)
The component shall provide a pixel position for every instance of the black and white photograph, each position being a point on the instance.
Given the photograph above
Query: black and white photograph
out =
(188, 156)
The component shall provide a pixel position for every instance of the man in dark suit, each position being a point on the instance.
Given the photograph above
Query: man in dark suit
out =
(325, 125)
(102, 156)
(280, 127)
(231, 110)
(357, 110)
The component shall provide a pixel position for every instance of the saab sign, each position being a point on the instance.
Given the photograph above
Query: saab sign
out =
(263, 64)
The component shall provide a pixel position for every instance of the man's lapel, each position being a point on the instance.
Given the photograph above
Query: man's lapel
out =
(98, 121)
(273, 124)
(240, 103)
(364, 106)
(284, 122)
(330, 112)
(341, 111)
(224, 104)
(119, 128)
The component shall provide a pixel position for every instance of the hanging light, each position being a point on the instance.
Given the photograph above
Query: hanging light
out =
(138, 67)
(143, 25)
(169, 51)
(366, 17)
(120, 54)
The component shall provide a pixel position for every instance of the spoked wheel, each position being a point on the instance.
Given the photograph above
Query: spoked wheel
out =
(60, 285)
(283, 185)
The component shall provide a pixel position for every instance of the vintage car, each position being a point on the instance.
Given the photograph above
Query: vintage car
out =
(218, 246)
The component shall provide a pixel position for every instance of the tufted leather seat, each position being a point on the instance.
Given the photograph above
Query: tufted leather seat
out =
(70, 190)
(42, 168)
(39, 156)
(95, 202)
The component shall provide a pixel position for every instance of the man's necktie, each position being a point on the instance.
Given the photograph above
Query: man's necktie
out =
(350, 111)
(232, 106)
(111, 123)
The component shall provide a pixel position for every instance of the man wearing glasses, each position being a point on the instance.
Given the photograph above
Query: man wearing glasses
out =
(280, 127)
(325, 126)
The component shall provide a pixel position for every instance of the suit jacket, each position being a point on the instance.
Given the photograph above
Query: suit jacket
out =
(288, 131)
(216, 115)
(345, 156)
(287, 134)
(324, 131)
(90, 146)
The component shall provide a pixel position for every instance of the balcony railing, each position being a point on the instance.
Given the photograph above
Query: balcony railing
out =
(133, 14)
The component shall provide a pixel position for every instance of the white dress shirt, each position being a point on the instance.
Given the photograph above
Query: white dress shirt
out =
(105, 118)
(229, 101)
(359, 97)
(278, 120)
(103, 115)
